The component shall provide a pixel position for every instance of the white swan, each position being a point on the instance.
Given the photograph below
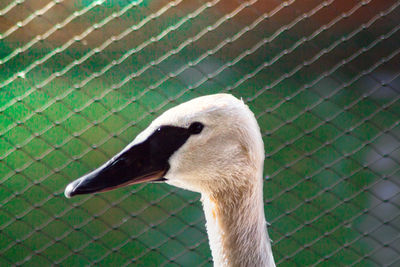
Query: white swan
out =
(211, 145)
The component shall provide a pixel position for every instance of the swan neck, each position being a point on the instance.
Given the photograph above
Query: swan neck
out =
(236, 227)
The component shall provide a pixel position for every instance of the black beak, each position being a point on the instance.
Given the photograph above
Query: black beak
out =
(110, 176)
(143, 162)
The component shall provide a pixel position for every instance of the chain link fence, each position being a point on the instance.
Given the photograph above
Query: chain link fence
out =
(80, 79)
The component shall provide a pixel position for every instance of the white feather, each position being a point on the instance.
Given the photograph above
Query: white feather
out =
(224, 163)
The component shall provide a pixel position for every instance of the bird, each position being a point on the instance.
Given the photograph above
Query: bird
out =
(211, 145)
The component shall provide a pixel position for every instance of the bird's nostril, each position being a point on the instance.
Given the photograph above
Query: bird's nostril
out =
(139, 164)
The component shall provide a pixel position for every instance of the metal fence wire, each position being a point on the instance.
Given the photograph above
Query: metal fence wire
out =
(80, 79)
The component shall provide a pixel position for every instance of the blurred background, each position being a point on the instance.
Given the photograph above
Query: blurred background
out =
(79, 79)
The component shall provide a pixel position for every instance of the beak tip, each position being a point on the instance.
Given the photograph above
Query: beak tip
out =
(69, 190)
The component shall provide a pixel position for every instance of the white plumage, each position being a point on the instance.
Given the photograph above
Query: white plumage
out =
(224, 163)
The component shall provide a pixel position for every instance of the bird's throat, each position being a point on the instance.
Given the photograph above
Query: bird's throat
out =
(236, 229)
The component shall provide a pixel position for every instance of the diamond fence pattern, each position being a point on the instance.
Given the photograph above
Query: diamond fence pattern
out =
(80, 79)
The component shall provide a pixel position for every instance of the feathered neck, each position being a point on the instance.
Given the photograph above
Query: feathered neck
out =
(236, 226)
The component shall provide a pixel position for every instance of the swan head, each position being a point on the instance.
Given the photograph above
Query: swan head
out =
(205, 145)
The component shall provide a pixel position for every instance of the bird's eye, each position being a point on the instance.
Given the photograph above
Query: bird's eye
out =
(196, 127)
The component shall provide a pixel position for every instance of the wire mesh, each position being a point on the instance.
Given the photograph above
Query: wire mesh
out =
(80, 79)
